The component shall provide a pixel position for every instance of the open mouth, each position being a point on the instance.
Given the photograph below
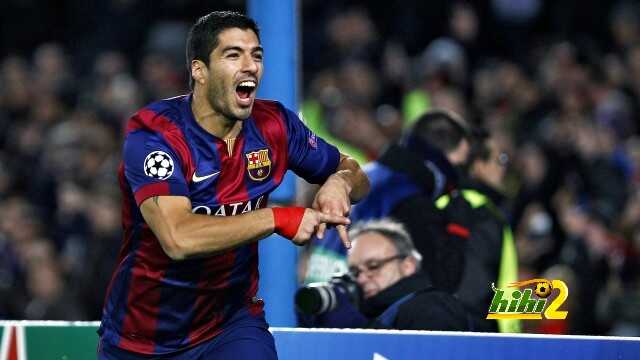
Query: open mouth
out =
(245, 89)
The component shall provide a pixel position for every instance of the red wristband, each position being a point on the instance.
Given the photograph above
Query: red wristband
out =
(287, 220)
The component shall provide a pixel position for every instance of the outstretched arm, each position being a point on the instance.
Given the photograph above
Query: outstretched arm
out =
(183, 234)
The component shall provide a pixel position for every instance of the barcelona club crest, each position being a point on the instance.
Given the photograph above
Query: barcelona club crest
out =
(258, 164)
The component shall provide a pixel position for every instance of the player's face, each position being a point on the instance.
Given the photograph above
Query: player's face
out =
(235, 70)
(376, 261)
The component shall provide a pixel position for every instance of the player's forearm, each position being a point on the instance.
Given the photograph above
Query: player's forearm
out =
(197, 235)
(183, 234)
(356, 180)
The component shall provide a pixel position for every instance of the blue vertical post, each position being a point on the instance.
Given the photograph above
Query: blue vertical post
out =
(278, 22)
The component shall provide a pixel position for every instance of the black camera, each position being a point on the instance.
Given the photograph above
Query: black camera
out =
(321, 297)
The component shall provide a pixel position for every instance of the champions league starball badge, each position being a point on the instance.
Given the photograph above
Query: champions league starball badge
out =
(158, 165)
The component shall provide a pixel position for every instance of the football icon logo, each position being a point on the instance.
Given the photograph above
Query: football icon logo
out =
(543, 289)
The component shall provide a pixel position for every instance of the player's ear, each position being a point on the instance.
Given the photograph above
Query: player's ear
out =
(199, 71)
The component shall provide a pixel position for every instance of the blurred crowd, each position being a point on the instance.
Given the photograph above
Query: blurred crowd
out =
(562, 105)
(557, 85)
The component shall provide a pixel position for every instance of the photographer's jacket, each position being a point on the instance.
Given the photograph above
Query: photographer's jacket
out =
(410, 304)
(415, 305)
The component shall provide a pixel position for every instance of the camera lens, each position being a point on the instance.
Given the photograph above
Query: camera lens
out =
(316, 298)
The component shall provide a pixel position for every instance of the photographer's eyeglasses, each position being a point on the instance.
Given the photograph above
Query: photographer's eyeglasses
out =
(372, 265)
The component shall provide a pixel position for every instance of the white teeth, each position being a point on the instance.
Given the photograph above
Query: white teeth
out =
(248, 83)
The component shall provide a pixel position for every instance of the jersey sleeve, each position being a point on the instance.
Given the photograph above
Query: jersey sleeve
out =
(151, 167)
(309, 155)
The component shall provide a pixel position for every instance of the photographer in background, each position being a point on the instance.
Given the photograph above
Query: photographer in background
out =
(385, 265)
(405, 181)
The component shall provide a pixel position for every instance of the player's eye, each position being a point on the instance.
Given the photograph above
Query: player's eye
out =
(257, 56)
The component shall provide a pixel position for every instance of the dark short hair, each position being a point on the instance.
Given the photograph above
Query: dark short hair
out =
(203, 36)
(440, 128)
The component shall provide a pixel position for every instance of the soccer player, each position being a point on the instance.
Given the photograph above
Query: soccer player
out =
(196, 174)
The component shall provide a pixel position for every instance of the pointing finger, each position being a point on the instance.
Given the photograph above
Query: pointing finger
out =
(344, 236)
(321, 228)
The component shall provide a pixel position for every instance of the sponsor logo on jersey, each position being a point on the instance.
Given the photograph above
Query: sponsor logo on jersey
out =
(231, 209)
(197, 178)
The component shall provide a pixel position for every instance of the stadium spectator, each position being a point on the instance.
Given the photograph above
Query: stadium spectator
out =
(396, 295)
(490, 253)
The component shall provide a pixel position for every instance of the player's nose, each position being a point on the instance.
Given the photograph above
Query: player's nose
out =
(250, 65)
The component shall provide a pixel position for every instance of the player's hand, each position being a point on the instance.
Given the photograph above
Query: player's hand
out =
(313, 219)
(333, 198)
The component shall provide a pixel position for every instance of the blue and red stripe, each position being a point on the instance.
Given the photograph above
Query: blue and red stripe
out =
(141, 275)
(119, 284)
(210, 301)
(269, 126)
(143, 299)
(170, 132)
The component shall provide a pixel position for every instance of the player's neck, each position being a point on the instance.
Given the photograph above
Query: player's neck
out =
(212, 121)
